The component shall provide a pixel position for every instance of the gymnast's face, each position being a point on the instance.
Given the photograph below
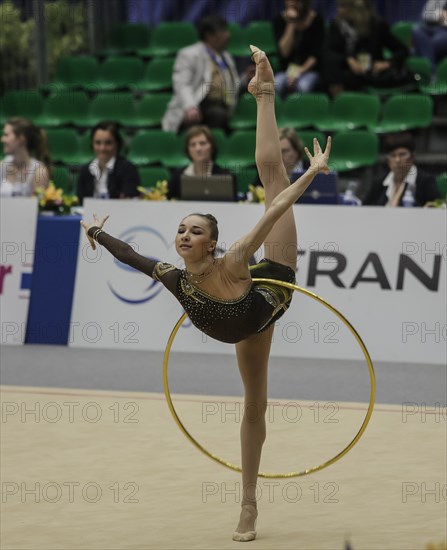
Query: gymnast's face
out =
(193, 240)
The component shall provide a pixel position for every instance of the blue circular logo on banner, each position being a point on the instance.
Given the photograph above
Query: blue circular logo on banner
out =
(128, 290)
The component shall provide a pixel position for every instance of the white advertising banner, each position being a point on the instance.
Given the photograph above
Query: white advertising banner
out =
(18, 222)
(383, 269)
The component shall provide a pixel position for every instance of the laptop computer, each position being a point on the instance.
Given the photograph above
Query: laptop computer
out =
(323, 190)
(218, 187)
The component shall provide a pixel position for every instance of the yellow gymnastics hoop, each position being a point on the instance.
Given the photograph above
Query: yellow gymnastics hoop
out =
(289, 474)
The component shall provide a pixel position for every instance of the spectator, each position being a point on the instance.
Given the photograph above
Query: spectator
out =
(292, 152)
(299, 32)
(109, 175)
(353, 56)
(201, 149)
(27, 160)
(403, 175)
(430, 36)
(205, 80)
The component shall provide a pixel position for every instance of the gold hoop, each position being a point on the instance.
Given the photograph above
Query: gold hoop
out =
(289, 474)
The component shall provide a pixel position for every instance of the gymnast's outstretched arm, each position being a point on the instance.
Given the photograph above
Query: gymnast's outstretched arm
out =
(121, 250)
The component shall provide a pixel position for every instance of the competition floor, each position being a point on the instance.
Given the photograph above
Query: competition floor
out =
(91, 458)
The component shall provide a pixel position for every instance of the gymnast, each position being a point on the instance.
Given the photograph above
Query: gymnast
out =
(218, 293)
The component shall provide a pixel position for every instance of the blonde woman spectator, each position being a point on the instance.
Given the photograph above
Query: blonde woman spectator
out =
(27, 160)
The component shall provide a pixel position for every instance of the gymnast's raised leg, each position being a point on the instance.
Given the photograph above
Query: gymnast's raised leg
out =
(280, 246)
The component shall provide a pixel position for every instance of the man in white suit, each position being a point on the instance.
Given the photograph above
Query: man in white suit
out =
(205, 80)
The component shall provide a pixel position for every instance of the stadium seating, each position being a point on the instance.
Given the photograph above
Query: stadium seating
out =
(439, 86)
(74, 72)
(157, 75)
(404, 112)
(150, 110)
(260, 33)
(303, 110)
(149, 175)
(117, 73)
(441, 180)
(307, 137)
(350, 110)
(354, 149)
(157, 147)
(168, 37)
(28, 104)
(127, 38)
(68, 107)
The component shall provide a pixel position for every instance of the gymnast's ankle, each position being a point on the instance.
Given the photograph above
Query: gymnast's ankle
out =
(246, 529)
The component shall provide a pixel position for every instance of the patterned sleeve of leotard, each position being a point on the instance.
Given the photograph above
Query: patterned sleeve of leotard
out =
(160, 271)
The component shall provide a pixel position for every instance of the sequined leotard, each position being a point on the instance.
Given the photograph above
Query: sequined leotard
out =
(225, 320)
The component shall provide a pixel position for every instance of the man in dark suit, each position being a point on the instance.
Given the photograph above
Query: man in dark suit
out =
(108, 175)
(403, 176)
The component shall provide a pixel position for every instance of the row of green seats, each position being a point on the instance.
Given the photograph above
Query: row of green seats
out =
(352, 149)
(349, 110)
(168, 37)
(132, 73)
(74, 108)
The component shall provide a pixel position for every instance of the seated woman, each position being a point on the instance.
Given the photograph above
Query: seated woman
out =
(354, 48)
(201, 149)
(403, 176)
(109, 175)
(299, 33)
(27, 160)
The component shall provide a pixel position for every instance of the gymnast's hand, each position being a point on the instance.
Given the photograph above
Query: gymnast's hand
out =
(96, 223)
(320, 158)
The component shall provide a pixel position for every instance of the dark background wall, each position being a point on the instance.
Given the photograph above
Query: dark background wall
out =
(241, 11)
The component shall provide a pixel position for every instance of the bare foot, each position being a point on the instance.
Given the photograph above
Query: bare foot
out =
(263, 83)
(246, 529)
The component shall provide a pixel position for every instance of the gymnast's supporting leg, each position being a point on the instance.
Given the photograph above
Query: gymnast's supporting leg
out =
(281, 243)
(252, 356)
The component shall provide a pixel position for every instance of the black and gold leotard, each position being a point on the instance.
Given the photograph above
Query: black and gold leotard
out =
(225, 320)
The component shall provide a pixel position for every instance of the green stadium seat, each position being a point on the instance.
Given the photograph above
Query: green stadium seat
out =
(260, 34)
(150, 175)
(421, 68)
(354, 149)
(74, 72)
(69, 107)
(150, 110)
(303, 110)
(61, 178)
(307, 137)
(157, 147)
(64, 145)
(441, 180)
(404, 112)
(221, 142)
(85, 148)
(117, 73)
(350, 110)
(402, 31)
(240, 151)
(28, 104)
(439, 86)
(244, 115)
(127, 37)
(157, 75)
(238, 46)
(118, 106)
(169, 37)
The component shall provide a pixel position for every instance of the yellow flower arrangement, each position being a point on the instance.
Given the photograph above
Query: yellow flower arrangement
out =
(256, 194)
(52, 199)
(157, 193)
